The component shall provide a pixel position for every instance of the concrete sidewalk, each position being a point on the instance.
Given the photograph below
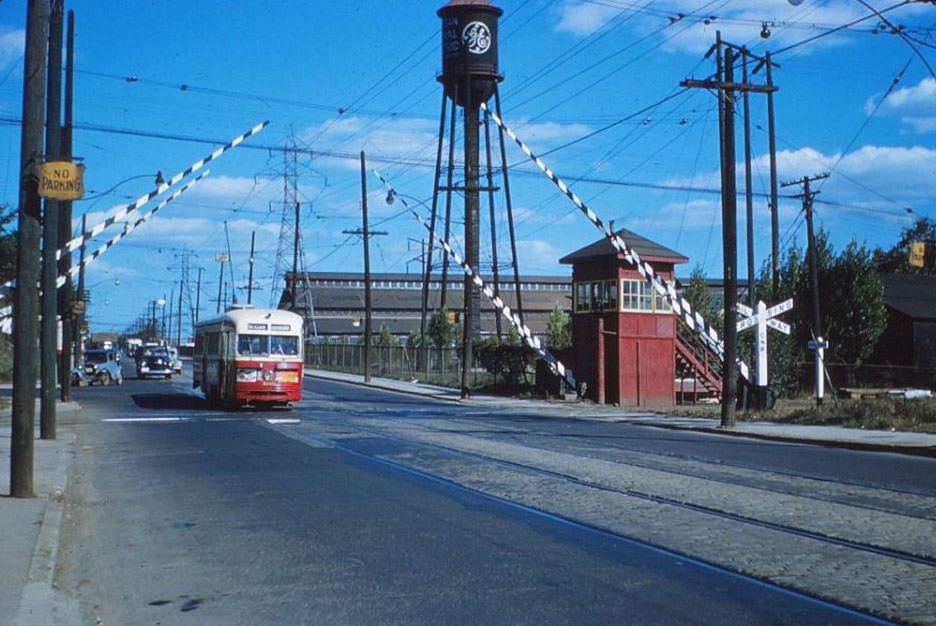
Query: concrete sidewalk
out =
(920, 444)
(30, 536)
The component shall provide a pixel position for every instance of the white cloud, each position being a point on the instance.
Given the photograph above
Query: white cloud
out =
(12, 46)
(694, 22)
(914, 105)
(583, 18)
(538, 255)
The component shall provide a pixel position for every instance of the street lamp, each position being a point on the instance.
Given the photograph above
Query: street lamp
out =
(158, 178)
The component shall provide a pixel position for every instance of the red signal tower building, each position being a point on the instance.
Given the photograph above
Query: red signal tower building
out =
(623, 333)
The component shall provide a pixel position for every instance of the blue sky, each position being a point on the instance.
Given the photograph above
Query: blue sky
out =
(354, 75)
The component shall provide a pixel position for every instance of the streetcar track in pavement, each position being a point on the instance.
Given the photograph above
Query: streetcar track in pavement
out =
(342, 446)
(777, 527)
(612, 439)
(749, 482)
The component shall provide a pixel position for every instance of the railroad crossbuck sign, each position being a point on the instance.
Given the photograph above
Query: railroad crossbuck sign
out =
(761, 318)
(61, 180)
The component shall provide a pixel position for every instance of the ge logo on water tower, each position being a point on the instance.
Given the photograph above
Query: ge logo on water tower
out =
(476, 36)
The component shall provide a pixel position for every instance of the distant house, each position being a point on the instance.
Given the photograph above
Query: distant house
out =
(909, 340)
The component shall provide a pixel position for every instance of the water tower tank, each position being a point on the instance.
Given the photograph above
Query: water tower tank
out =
(469, 49)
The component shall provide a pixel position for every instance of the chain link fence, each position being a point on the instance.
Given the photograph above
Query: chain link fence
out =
(436, 366)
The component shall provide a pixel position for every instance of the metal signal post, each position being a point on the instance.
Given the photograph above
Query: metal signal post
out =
(818, 344)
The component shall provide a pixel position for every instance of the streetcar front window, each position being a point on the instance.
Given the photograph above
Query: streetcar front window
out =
(253, 345)
(284, 344)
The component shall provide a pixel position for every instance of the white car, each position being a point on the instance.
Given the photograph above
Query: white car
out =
(175, 361)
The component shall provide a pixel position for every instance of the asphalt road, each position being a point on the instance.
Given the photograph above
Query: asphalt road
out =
(366, 507)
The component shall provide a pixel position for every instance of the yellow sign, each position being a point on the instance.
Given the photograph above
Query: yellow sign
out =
(918, 254)
(61, 180)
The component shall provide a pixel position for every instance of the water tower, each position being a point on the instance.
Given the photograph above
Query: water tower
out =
(470, 77)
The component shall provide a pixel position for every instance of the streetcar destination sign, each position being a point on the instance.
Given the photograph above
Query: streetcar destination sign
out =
(61, 180)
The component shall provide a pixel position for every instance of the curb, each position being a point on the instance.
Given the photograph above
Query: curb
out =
(923, 451)
(373, 385)
(37, 604)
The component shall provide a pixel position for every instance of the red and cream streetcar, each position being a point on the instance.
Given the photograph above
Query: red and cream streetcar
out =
(249, 356)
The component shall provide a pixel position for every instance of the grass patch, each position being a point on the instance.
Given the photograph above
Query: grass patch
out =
(898, 414)
(918, 415)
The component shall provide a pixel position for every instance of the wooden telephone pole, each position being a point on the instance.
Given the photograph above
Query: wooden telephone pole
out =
(726, 87)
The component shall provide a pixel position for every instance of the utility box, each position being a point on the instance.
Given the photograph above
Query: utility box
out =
(623, 332)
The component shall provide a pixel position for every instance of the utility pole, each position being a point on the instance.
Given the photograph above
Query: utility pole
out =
(82, 302)
(724, 83)
(221, 258)
(367, 277)
(295, 265)
(198, 296)
(366, 233)
(49, 327)
(774, 192)
(748, 192)
(179, 327)
(729, 244)
(66, 293)
(253, 236)
(818, 343)
(25, 311)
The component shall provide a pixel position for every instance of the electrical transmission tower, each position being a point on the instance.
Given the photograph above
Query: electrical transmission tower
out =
(295, 294)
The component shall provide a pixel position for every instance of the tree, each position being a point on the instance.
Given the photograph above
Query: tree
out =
(7, 244)
(700, 297)
(854, 298)
(896, 259)
(386, 338)
(441, 331)
(558, 330)
(851, 303)
(415, 340)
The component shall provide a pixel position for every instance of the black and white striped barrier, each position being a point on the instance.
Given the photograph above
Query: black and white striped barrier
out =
(96, 230)
(6, 312)
(128, 228)
(664, 288)
(122, 213)
(531, 340)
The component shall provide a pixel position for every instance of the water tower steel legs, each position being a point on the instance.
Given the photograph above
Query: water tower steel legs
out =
(508, 204)
(448, 197)
(427, 273)
(490, 190)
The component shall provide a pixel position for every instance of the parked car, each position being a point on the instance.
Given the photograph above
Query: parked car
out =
(100, 366)
(154, 362)
(175, 361)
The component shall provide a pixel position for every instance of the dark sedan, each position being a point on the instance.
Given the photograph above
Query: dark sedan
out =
(154, 363)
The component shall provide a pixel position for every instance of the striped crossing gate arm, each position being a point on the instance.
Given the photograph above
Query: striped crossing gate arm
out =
(127, 230)
(666, 289)
(555, 365)
(59, 281)
(121, 213)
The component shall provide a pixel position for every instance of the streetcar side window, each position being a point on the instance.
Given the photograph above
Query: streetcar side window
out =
(284, 344)
(211, 343)
(253, 345)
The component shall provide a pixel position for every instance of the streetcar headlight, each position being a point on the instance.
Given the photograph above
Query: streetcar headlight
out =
(247, 376)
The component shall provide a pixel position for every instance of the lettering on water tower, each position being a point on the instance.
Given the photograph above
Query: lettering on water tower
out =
(476, 37)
